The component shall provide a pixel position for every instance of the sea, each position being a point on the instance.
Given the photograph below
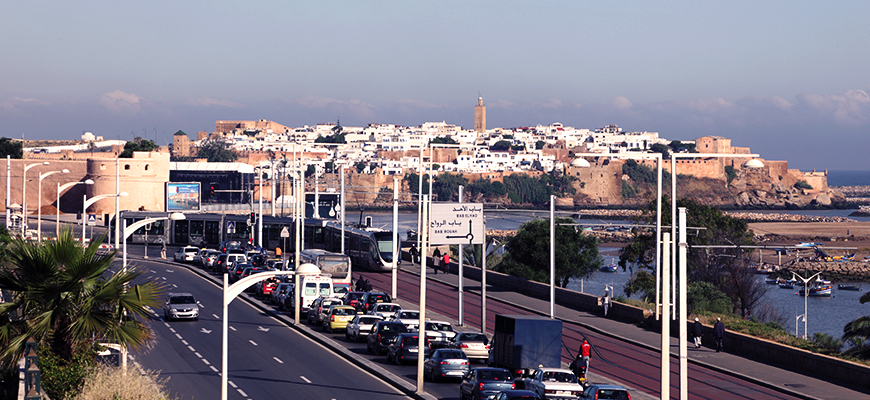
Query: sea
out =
(848, 178)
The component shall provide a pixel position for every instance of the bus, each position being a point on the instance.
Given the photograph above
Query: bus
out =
(335, 264)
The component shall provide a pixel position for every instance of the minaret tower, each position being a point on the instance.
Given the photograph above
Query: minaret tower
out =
(480, 116)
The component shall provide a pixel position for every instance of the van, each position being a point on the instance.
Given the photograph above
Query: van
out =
(313, 286)
(233, 259)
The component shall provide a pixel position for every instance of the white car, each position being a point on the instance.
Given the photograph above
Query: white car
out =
(199, 257)
(186, 254)
(439, 333)
(358, 329)
(384, 310)
(411, 318)
(554, 383)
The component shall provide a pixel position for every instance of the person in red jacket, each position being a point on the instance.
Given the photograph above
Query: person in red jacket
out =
(445, 262)
(585, 352)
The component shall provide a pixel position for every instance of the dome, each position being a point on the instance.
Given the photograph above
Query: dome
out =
(308, 269)
(580, 163)
(369, 148)
(753, 163)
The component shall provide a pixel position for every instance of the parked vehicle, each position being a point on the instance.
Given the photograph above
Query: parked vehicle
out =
(411, 318)
(474, 345)
(524, 342)
(382, 333)
(313, 286)
(233, 259)
(439, 333)
(210, 258)
(614, 392)
(220, 264)
(554, 383)
(483, 383)
(180, 305)
(359, 327)
(237, 269)
(185, 254)
(266, 287)
(406, 347)
(353, 298)
(445, 363)
(337, 317)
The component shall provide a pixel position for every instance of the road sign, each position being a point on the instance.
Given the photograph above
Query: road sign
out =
(231, 226)
(285, 233)
(92, 219)
(457, 223)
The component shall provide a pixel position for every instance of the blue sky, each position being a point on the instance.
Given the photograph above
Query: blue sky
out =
(787, 78)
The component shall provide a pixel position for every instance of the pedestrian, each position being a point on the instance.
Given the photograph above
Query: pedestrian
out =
(719, 334)
(415, 254)
(697, 331)
(445, 262)
(360, 283)
(163, 250)
(585, 353)
(277, 252)
(436, 259)
(605, 301)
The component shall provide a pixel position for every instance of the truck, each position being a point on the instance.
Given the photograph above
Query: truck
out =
(522, 343)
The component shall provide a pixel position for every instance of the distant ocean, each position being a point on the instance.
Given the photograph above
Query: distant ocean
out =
(848, 178)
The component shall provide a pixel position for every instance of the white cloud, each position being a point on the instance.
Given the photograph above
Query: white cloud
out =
(621, 103)
(850, 108)
(121, 102)
(353, 107)
(208, 102)
(13, 103)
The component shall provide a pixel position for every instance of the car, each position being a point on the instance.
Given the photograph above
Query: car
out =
(233, 259)
(186, 253)
(314, 316)
(228, 245)
(445, 363)
(198, 257)
(411, 318)
(337, 317)
(220, 264)
(352, 298)
(385, 309)
(210, 258)
(248, 271)
(381, 334)
(599, 391)
(359, 327)
(484, 383)
(405, 347)
(180, 306)
(266, 287)
(237, 269)
(371, 298)
(275, 296)
(440, 333)
(516, 394)
(554, 383)
(475, 345)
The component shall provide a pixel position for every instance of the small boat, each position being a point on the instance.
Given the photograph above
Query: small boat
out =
(770, 281)
(786, 285)
(608, 268)
(818, 291)
(849, 286)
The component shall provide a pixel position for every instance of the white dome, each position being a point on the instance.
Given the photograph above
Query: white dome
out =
(308, 269)
(369, 148)
(753, 163)
(580, 163)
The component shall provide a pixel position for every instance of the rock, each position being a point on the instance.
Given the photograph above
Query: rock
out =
(822, 200)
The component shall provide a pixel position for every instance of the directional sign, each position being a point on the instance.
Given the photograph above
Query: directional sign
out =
(92, 219)
(285, 233)
(231, 227)
(457, 223)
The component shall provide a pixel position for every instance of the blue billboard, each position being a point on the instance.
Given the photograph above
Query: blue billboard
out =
(182, 196)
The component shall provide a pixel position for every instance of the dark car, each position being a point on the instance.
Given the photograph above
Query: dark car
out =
(608, 392)
(516, 394)
(382, 334)
(405, 347)
(238, 268)
(445, 363)
(370, 299)
(482, 383)
(352, 298)
(228, 245)
(220, 264)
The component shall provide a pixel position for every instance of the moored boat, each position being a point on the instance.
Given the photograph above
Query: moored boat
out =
(849, 286)
(608, 268)
(818, 291)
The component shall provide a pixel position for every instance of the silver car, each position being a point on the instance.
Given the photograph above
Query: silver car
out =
(358, 329)
(474, 345)
(445, 363)
(180, 305)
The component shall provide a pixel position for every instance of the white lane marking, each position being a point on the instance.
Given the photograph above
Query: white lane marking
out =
(233, 329)
(170, 270)
(260, 328)
(153, 271)
(167, 324)
(172, 330)
(213, 368)
(191, 348)
(184, 342)
(253, 342)
(278, 360)
(175, 286)
(163, 277)
(206, 331)
(197, 355)
(232, 384)
(206, 362)
(215, 316)
(178, 336)
(242, 393)
(305, 379)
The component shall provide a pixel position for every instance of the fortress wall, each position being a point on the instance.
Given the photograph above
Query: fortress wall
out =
(70, 198)
(144, 177)
(601, 182)
(702, 168)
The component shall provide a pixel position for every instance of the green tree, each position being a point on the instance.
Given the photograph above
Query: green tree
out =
(540, 144)
(660, 148)
(528, 252)
(523, 188)
(446, 186)
(138, 144)
(216, 150)
(501, 145)
(703, 296)
(677, 146)
(487, 188)
(443, 140)
(857, 334)
(730, 173)
(66, 297)
(11, 148)
(360, 166)
(413, 182)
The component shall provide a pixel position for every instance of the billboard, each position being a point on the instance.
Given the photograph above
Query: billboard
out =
(456, 223)
(182, 196)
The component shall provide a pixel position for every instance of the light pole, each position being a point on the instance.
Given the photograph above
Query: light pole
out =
(60, 189)
(39, 202)
(806, 293)
(87, 203)
(24, 196)
(176, 216)
(260, 219)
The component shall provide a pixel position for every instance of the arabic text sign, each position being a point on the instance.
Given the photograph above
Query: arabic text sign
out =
(457, 223)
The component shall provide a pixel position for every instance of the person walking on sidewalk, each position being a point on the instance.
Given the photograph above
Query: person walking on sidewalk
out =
(697, 331)
(719, 334)
(415, 253)
(605, 301)
(436, 260)
(445, 263)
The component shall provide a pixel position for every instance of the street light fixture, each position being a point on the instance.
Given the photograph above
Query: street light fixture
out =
(806, 293)
(176, 216)
(87, 203)
(60, 189)
(24, 195)
(39, 201)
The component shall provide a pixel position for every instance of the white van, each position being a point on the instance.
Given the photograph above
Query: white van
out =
(314, 286)
(234, 258)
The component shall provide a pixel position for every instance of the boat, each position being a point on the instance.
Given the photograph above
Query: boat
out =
(770, 281)
(818, 291)
(849, 286)
(786, 285)
(608, 268)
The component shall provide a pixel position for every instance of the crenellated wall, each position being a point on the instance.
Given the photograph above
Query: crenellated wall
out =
(143, 177)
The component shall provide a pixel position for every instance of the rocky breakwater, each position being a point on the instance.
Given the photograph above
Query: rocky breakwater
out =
(863, 211)
(835, 271)
(775, 217)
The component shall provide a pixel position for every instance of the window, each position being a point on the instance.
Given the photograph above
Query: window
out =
(146, 167)
(126, 167)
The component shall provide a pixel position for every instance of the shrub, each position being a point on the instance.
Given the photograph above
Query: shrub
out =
(104, 382)
(730, 172)
(61, 379)
(628, 191)
(803, 185)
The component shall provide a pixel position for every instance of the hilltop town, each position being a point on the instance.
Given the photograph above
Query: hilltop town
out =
(600, 167)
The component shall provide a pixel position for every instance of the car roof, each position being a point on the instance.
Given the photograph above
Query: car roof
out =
(607, 387)
(556, 370)
(178, 294)
(438, 322)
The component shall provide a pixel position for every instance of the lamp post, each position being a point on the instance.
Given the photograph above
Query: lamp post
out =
(87, 203)
(24, 195)
(60, 189)
(806, 293)
(39, 202)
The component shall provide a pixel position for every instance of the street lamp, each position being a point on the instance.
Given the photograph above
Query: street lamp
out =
(61, 188)
(24, 195)
(87, 203)
(39, 201)
(806, 293)
(176, 216)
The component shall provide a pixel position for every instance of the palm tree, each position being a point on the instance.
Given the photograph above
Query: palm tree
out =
(65, 296)
(857, 333)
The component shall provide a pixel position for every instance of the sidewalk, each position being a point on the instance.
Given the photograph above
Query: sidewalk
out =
(788, 382)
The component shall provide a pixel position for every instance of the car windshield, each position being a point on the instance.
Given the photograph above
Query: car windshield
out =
(355, 295)
(494, 375)
(387, 307)
(393, 328)
(439, 327)
(374, 298)
(610, 394)
(451, 354)
(560, 377)
(182, 300)
(325, 289)
(409, 315)
(368, 320)
(472, 337)
(343, 311)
